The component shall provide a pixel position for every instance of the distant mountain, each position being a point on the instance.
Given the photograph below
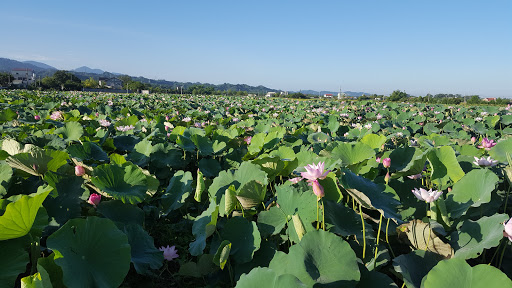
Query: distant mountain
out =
(85, 69)
(41, 65)
(6, 65)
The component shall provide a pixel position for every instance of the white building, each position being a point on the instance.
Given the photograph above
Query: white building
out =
(270, 94)
(112, 83)
(23, 77)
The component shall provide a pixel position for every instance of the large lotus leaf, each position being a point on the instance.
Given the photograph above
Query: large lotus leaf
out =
(209, 167)
(92, 252)
(321, 258)
(19, 215)
(306, 157)
(457, 273)
(444, 165)
(318, 137)
(125, 142)
(371, 279)
(126, 183)
(260, 275)
(415, 265)
(352, 153)
(473, 189)
(54, 271)
(344, 220)
(71, 131)
(177, 191)
(140, 155)
(273, 166)
(120, 212)
(331, 189)
(257, 142)
(203, 267)
(144, 254)
(370, 195)
(418, 234)
(7, 115)
(244, 237)
(64, 203)
(5, 178)
(87, 151)
(165, 156)
(14, 262)
(251, 194)
(203, 227)
(374, 141)
(222, 255)
(38, 162)
(272, 221)
(472, 237)
(13, 147)
(479, 128)
(408, 160)
(203, 144)
(288, 158)
(501, 149)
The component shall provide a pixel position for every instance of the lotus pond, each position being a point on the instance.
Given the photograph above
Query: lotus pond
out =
(131, 190)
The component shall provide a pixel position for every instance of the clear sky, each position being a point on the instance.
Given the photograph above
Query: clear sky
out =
(374, 46)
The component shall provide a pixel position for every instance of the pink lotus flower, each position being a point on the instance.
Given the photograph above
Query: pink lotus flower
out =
(295, 180)
(387, 177)
(315, 172)
(94, 199)
(414, 177)
(79, 170)
(248, 139)
(489, 162)
(37, 117)
(56, 115)
(170, 253)
(473, 139)
(508, 229)
(427, 196)
(317, 188)
(487, 144)
(377, 159)
(386, 162)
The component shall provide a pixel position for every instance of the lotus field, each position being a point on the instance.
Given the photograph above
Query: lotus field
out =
(112, 190)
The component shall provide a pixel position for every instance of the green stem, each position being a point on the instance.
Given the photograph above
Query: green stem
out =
(323, 215)
(506, 200)
(377, 245)
(496, 252)
(364, 232)
(387, 240)
(502, 254)
(317, 218)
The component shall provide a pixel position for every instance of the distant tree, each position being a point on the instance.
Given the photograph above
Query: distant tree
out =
(4, 79)
(397, 95)
(297, 95)
(90, 83)
(475, 99)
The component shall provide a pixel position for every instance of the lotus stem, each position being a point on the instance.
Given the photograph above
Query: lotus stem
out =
(323, 215)
(429, 228)
(403, 285)
(364, 232)
(506, 200)
(317, 218)
(387, 239)
(377, 245)
(502, 254)
(496, 252)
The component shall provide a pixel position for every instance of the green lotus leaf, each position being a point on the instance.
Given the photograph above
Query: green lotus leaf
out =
(71, 131)
(144, 254)
(203, 267)
(14, 262)
(408, 160)
(40, 279)
(54, 271)
(64, 203)
(260, 275)
(418, 234)
(87, 151)
(178, 190)
(38, 162)
(19, 216)
(251, 194)
(374, 141)
(415, 265)
(244, 237)
(472, 237)
(370, 195)
(221, 256)
(203, 227)
(120, 212)
(5, 178)
(126, 183)
(92, 252)
(444, 165)
(13, 147)
(209, 167)
(125, 142)
(500, 150)
(271, 222)
(203, 144)
(371, 279)
(318, 137)
(344, 220)
(200, 186)
(457, 273)
(321, 258)
(257, 143)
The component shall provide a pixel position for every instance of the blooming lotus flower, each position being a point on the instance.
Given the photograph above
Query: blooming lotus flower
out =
(489, 162)
(170, 253)
(473, 139)
(295, 180)
(377, 159)
(248, 139)
(104, 123)
(487, 144)
(94, 199)
(427, 196)
(386, 162)
(56, 115)
(508, 229)
(187, 119)
(314, 172)
(79, 170)
(125, 128)
(37, 117)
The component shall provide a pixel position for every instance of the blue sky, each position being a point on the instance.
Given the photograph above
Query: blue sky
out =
(373, 46)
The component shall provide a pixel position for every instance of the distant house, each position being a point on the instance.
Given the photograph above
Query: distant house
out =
(23, 77)
(270, 94)
(328, 95)
(112, 83)
(489, 99)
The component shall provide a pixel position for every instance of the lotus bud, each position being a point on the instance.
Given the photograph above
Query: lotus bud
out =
(386, 162)
(318, 189)
(79, 170)
(473, 139)
(37, 117)
(387, 177)
(94, 199)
